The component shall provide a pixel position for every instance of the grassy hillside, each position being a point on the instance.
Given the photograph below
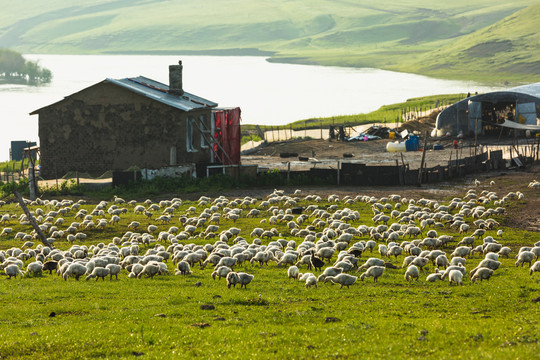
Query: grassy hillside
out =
(407, 35)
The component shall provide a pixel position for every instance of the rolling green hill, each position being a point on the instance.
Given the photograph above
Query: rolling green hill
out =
(457, 39)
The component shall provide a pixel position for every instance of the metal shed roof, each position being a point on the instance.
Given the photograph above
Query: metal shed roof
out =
(155, 91)
(159, 92)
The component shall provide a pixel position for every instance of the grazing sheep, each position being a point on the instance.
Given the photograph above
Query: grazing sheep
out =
(97, 273)
(245, 279)
(183, 268)
(114, 270)
(221, 271)
(35, 268)
(458, 260)
(374, 271)
(50, 266)
(310, 279)
(412, 273)
(342, 279)
(482, 273)
(535, 267)
(329, 271)
(13, 270)
(293, 272)
(435, 276)
(461, 251)
(458, 267)
(525, 257)
(455, 276)
(442, 261)
(504, 251)
(75, 270)
(371, 262)
(151, 269)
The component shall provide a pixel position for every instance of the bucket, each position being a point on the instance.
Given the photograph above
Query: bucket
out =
(395, 147)
(391, 135)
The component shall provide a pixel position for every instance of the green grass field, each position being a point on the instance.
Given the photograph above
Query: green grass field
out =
(492, 41)
(274, 317)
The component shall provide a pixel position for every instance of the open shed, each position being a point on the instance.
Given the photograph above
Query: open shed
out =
(494, 113)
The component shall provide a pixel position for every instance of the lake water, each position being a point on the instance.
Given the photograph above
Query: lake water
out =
(267, 93)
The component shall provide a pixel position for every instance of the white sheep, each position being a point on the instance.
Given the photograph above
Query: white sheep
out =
(371, 262)
(309, 279)
(535, 267)
(455, 276)
(221, 271)
(435, 276)
(342, 279)
(525, 257)
(245, 279)
(75, 270)
(98, 272)
(374, 271)
(114, 270)
(151, 269)
(293, 272)
(482, 273)
(442, 261)
(329, 271)
(35, 268)
(13, 270)
(412, 273)
(183, 268)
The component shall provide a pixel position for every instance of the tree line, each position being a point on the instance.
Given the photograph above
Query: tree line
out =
(14, 68)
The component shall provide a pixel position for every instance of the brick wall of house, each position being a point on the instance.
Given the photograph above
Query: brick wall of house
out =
(106, 127)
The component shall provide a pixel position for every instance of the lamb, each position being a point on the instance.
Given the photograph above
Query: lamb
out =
(455, 276)
(234, 278)
(293, 272)
(374, 271)
(487, 263)
(535, 268)
(525, 257)
(13, 270)
(98, 272)
(481, 273)
(342, 279)
(221, 271)
(310, 279)
(114, 270)
(75, 270)
(412, 273)
(435, 276)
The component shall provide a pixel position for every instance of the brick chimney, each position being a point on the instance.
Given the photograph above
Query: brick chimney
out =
(175, 79)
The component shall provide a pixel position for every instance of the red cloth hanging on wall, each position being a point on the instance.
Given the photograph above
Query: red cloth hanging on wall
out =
(228, 134)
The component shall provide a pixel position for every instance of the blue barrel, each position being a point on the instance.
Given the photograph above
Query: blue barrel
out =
(412, 143)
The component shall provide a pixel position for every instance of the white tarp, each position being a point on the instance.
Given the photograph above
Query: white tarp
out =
(526, 114)
(515, 125)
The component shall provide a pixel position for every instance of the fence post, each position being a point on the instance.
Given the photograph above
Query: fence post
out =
(338, 171)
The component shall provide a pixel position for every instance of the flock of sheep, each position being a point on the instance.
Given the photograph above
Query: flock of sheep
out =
(318, 235)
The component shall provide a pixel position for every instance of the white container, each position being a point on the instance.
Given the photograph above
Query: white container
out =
(396, 147)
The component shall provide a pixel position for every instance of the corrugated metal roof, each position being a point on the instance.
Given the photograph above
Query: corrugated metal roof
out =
(159, 92)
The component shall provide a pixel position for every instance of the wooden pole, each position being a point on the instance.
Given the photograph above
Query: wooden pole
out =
(338, 171)
(423, 159)
(33, 222)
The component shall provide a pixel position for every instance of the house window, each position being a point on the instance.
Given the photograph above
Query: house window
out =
(189, 134)
(204, 132)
